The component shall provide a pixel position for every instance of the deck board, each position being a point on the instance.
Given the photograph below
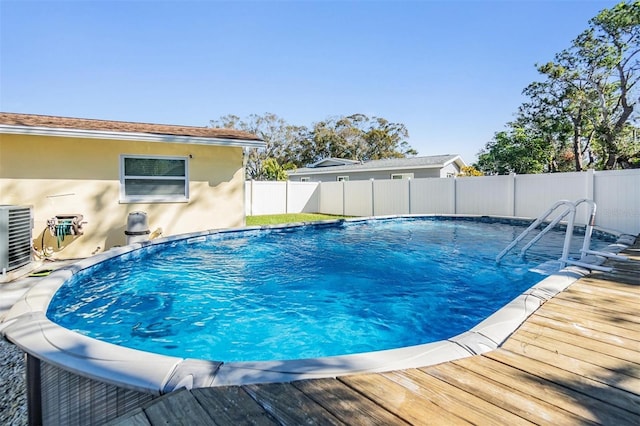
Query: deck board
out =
(510, 398)
(555, 336)
(466, 405)
(584, 406)
(346, 403)
(578, 382)
(401, 401)
(290, 406)
(576, 360)
(232, 405)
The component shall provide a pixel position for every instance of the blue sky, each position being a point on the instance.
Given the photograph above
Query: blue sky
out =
(451, 71)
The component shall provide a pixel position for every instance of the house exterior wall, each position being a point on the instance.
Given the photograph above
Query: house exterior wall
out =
(59, 175)
(450, 170)
(377, 175)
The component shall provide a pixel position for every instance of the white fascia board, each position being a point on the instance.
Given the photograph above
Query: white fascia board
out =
(128, 136)
(456, 159)
(328, 170)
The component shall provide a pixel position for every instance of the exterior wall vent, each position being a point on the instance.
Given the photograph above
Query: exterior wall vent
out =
(16, 225)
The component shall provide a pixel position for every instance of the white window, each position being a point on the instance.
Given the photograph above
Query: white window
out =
(153, 179)
(342, 178)
(402, 176)
(304, 179)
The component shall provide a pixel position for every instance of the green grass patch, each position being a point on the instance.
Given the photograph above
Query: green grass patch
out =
(275, 219)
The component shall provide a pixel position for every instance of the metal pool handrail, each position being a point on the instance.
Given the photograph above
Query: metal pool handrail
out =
(570, 210)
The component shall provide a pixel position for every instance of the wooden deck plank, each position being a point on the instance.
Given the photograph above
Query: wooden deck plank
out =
(232, 406)
(611, 376)
(603, 303)
(623, 271)
(621, 275)
(585, 349)
(629, 352)
(346, 404)
(400, 400)
(620, 301)
(622, 319)
(289, 406)
(548, 326)
(135, 417)
(464, 404)
(611, 284)
(178, 408)
(580, 312)
(586, 385)
(496, 393)
(596, 324)
(567, 399)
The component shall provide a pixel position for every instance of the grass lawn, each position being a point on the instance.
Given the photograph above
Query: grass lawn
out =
(274, 219)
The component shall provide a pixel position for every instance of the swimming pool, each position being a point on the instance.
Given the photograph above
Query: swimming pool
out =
(74, 356)
(303, 292)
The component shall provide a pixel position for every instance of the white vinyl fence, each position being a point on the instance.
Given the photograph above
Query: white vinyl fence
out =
(616, 193)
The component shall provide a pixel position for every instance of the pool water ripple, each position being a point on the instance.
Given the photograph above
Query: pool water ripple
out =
(302, 293)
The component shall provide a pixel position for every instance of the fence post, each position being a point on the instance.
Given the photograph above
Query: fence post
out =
(512, 194)
(409, 195)
(590, 190)
(344, 199)
(251, 197)
(286, 197)
(373, 198)
(455, 195)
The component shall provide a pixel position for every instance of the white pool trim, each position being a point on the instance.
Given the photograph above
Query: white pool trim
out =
(26, 326)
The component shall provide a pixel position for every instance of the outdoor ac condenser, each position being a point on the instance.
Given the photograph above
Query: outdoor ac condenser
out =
(16, 224)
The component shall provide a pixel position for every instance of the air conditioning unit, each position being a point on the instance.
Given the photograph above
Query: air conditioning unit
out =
(16, 225)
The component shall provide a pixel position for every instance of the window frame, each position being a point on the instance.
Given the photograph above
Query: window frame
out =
(305, 179)
(400, 176)
(344, 178)
(153, 198)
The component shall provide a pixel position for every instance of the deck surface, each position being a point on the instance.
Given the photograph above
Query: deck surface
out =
(575, 361)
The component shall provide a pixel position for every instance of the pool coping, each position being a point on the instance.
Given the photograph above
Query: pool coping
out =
(27, 326)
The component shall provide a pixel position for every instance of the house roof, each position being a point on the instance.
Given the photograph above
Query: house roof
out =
(332, 162)
(429, 162)
(83, 127)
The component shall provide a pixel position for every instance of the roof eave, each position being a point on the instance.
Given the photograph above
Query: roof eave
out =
(129, 136)
(457, 159)
(331, 170)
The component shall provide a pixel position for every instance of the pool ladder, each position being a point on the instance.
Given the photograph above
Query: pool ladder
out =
(569, 210)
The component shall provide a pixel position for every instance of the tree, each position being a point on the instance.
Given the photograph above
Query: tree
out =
(561, 109)
(272, 170)
(513, 151)
(278, 136)
(581, 111)
(469, 171)
(608, 54)
(355, 137)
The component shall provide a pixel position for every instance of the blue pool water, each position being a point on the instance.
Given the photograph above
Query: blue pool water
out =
(302, 292)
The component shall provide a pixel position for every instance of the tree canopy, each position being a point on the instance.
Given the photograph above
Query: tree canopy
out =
(582, 113)
(354, 137)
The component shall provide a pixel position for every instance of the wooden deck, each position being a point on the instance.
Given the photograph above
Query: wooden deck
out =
(575, 361)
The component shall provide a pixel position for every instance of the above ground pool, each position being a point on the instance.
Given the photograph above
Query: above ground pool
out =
(284, 303)
(303, 292)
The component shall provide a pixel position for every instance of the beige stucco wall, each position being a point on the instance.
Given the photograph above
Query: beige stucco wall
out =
(71, 175)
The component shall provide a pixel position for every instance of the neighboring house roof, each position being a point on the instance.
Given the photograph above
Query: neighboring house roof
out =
(430, 162)
(47, 125)
(332, 162)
